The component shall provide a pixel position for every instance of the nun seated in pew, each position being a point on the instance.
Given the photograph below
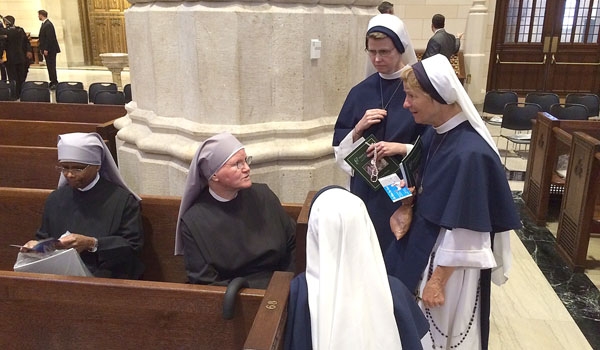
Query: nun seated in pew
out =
(93, 210)
(345, 299)
(229, 227)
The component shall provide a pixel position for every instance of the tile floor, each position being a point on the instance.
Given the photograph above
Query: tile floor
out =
(534, 309)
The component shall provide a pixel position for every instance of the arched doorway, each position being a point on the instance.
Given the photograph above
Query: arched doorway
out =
(546, 45)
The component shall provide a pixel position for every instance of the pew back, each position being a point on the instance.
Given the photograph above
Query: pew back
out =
(38, 133)
(550, 138)
(580, 202)
(59, 312)
(28, 167)
(21, 211)
(60, 112)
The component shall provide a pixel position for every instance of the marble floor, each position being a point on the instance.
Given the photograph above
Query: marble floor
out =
(542, 306)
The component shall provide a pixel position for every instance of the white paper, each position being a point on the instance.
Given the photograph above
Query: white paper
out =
(59, 262)
(391, 185)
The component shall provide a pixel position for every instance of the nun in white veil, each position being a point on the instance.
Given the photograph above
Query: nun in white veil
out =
(352, 303)
(463, 205)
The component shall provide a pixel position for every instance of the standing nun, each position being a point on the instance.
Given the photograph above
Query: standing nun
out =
(463, 208)
(374, 107)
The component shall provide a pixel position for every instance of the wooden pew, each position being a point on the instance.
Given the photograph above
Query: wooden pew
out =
(301, 231)
(60, 112)
(29, 167)
(21, 212)
(65, 312)
(101, 115)
(38, 133)
(550, 138)
(580, 208)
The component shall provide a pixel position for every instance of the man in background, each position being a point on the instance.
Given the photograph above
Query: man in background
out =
(441, 42)
(18, 53)
(48, 46)
(386, 7)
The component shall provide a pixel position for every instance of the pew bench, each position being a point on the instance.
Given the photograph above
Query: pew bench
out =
(38, 133)
(550, 138)
(65, 312)
(21, 212)
(579, 217)
(100, 115)
(60, 112)
(28, 167)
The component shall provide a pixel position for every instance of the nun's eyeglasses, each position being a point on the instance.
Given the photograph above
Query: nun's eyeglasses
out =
(74, 171)
(380, 53)
(240, 163)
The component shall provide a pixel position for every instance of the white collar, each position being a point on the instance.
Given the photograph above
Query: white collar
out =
(395, 75)
(91, 185)
(219, 198)
(451, 123)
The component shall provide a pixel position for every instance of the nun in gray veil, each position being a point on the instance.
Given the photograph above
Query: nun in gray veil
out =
(229, 227)
(93, 210)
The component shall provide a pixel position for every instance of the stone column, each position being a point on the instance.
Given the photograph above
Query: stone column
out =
(477, 50)
(199, 68)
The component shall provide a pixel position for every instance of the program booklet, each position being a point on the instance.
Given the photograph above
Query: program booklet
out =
(365, 167)
(43, 246)
(409, 166)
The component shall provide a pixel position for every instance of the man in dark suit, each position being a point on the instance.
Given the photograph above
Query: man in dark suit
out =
(441, 41)
(48, 46)
(18, 52)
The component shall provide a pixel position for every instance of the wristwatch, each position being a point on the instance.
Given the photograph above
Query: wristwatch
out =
(95, 247)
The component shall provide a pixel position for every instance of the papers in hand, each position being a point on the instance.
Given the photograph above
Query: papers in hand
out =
(363, 165)
(391, 185)
(58, 262)
(409, 166)
(44, 246)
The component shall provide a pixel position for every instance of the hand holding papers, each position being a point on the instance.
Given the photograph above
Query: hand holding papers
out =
(395, 187)
(44, 246)
(371, 169)
(401, 219)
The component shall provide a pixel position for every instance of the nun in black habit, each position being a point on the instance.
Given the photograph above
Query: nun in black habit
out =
(93, 210)
(229, 227)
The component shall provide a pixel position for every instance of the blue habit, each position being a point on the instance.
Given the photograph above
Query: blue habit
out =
(398, 126)
(463, 186)
(412, 324)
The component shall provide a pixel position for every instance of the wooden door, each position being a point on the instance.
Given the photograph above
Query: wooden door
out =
(546, 45)
(103, 23)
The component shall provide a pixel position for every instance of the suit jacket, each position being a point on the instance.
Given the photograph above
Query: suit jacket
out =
(48, 39)
(442, 42)
(17, 45)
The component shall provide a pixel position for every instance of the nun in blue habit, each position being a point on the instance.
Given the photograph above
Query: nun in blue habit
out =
(458, 241)
(374, 107)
